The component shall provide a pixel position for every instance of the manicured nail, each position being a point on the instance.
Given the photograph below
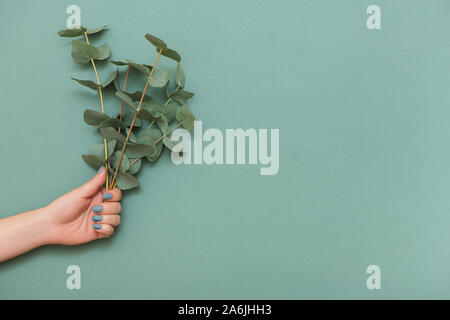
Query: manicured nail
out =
(97, 226)
(100, 170)
(97, 218)
(97, 209)
(107, 196)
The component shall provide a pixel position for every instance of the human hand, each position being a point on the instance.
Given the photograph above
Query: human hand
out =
(84, 214)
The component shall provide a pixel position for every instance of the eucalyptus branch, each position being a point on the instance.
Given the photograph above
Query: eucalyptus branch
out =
(103, 111)
(135, 117)
(124, 163)
(124, 89)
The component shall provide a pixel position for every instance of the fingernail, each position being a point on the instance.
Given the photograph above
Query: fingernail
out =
(100, 169)
(107, 196)
(97, 218)
(97, 226)
(97, 209)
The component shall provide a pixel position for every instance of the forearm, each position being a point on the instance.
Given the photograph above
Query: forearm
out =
(24, 232)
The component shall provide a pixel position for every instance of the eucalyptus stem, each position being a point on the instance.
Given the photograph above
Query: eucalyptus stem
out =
(102, 108)
(124, 90)
(135, 117)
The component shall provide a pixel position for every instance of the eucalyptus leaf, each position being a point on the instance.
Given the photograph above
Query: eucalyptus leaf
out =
(111, 134)
(126, 98)
(75, 32)
(170, 111)
(138, 150)
(146, 115)
(114, 161)
(170, 53)
(181, 96)
(140, 67)
(99, 149)
(132, 137)
(162, 123)
(185, 115)
(118, 63)
(96, 30)
(135, 165)
(87, 83)
(117, 82)
(150, 136)
(160, 78)
(102, 52)
(126, 181)
(93, 117)
(82, 52)
(169, 143)
(93, 161)
(180, 78)
(110, 79)
(137, 95)
(113, 122)
(128, 119)
(156, 41)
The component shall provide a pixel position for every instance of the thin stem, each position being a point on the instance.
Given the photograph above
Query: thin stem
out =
(124, 90)
(134, 161)
(102, 108)
(135, 117)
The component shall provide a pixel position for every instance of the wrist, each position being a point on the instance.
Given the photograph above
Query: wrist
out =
(45, 228)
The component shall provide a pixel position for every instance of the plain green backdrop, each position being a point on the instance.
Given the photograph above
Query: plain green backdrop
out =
(364, 150)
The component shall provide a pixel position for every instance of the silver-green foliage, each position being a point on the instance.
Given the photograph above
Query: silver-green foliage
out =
(156, 118)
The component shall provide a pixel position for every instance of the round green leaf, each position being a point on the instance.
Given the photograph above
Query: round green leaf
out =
(124, 164)
(185, 115)
(150, 136)
(93, 161)
(134, 168)
(111, 134)
(126, 181)
(160, 78)
(99, 149)
(93, 117)
(140, 67)
(126, 98)
(139, 150)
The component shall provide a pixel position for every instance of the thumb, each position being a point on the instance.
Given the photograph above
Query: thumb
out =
(95, 184)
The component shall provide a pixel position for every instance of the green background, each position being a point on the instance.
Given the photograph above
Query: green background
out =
(364, 150)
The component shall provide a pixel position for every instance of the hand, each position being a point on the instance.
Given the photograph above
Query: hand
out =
(86, 213)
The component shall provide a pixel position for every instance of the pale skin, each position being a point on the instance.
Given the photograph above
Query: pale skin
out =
(69, 220)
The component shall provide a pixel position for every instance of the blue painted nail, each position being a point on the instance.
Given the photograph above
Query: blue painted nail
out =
(107, 196)
(97, 209)
(97, 226)
(97, 218)
(100, 170)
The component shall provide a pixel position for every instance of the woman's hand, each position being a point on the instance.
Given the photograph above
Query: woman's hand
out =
(82, 215)
(85, 214)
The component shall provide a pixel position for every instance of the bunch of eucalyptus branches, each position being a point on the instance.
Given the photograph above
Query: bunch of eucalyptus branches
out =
(142, 128)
